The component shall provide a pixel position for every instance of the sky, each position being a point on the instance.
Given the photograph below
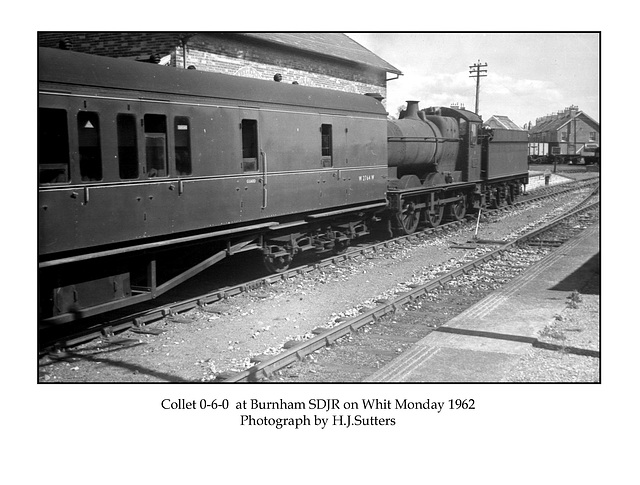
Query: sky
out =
(529, 75)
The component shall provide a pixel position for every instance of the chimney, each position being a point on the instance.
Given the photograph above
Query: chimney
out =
(411, 112)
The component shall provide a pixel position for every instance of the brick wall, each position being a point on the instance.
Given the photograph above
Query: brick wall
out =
(232, 54)
(583, 130)
(207, 61)
(114, 44)
(237, 47)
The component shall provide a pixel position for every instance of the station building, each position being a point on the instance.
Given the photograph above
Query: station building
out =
(569, 134)
(325, 60)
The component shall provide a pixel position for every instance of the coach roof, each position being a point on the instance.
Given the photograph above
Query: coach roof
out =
(73, 68)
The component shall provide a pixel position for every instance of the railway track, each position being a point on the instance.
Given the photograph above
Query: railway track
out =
(486, 272)
(112, 330)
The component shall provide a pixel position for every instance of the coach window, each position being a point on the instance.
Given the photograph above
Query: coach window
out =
(89, 146)
(327, 146)
(127, 146)
(183, 145)
(249, 145)
(53, 146)
(155, 134)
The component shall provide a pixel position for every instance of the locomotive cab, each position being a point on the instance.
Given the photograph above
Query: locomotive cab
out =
(469, 147)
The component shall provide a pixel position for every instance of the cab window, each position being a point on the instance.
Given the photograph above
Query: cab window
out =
(463, 127)
(473, 135)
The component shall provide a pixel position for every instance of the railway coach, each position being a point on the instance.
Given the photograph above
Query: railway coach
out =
(150, 174)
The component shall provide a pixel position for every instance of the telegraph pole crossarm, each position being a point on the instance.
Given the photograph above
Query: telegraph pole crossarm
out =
(478, 70)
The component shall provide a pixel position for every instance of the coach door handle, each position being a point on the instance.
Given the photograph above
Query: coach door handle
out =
(264, 179)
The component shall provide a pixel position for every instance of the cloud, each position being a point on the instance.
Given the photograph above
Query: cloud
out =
(437, 89)
(529, 74)
(520, 99)
(508, 86)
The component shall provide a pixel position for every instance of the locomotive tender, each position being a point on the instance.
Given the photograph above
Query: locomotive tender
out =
(150, 174)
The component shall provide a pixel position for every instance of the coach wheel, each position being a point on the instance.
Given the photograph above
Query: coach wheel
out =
(341, 246)
(277, 264)
(433, 218)
(409, 218)
(458, 210)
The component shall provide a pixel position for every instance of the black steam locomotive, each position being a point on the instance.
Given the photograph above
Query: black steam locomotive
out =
(150, 174)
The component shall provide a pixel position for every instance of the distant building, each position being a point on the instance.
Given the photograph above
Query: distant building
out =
(502, 122)
(569, 134)
(326, 60)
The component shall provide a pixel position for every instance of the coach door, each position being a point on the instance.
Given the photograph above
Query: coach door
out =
(330, 158)
(252, 184)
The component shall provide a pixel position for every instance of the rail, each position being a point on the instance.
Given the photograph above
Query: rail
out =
(297, 352)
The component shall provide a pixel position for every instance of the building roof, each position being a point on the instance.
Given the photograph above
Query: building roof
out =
(556, 122)
(330, 44)
(502, 121)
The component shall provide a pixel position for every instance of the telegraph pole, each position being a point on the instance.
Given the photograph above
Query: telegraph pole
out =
(477, 71)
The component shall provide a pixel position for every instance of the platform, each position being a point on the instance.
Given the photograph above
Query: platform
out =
(481, 343)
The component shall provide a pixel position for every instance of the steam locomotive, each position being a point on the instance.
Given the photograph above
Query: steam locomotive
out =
(148, 175)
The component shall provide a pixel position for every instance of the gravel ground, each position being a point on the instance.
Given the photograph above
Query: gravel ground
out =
(578, 325)
(200, 345)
